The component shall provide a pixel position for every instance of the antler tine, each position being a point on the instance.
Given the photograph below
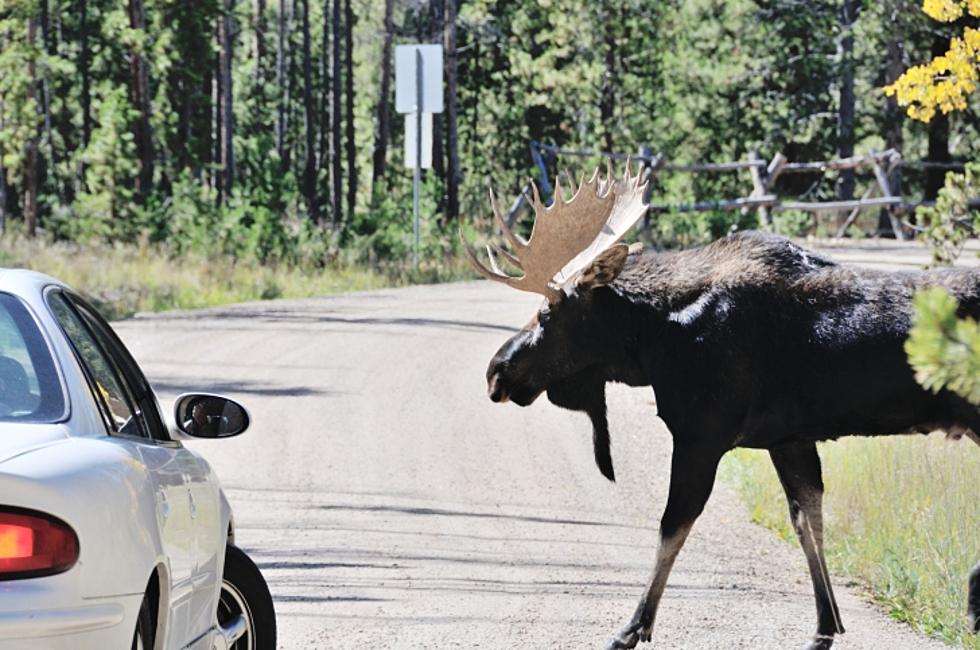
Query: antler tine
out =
(481, 268)
(493, 262)
(510, 258)
(571, 181)
(538, 206)
(595, 175)
(516, 242)
(558, 200)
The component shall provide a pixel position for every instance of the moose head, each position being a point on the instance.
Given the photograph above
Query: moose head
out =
(573, 254)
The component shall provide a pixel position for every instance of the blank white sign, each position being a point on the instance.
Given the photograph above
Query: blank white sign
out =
(406, 76)
(410, 132)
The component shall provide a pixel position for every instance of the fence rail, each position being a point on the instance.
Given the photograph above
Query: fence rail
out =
(763, 176)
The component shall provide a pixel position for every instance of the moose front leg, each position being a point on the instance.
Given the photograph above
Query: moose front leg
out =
(692, 475)
(798, 467)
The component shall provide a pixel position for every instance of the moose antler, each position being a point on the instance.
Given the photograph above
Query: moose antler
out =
(566, 236)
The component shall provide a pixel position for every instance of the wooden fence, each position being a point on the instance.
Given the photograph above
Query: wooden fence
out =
(763, 175)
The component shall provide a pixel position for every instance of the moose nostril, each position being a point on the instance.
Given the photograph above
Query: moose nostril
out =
(496, 389)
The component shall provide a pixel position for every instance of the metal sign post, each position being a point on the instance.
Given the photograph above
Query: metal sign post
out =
(418, 150)
(418, 93)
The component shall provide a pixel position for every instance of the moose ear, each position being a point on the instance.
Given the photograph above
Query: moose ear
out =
(605, 268)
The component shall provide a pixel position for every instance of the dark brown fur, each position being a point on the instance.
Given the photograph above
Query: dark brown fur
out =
(750, 341)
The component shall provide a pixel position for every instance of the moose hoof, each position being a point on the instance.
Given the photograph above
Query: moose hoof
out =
(819, 643)
(630, 635)
(623, 641)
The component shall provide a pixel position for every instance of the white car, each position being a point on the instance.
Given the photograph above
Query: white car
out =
(113, 535)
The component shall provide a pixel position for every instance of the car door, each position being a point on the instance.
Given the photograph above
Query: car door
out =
(175, 473)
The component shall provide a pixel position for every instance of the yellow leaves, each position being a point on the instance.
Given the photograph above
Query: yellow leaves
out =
(946, 11)
(945, 82)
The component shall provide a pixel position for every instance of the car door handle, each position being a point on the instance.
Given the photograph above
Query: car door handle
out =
(193, 506)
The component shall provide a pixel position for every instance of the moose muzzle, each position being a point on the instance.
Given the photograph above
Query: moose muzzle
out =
(496, 389)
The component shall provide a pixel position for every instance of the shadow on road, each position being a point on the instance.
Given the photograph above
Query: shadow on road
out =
(241, 386)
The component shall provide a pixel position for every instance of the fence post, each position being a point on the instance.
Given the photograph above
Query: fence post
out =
(885, 188)
(542, 167)
(759, 189)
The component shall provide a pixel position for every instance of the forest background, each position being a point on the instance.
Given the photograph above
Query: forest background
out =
(263, 131)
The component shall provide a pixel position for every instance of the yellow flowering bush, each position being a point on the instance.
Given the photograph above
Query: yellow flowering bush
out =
(945, 82)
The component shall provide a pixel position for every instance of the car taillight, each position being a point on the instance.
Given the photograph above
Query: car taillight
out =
(33, 544)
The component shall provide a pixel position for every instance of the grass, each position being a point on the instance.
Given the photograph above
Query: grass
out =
(122, 280)
(902, 518)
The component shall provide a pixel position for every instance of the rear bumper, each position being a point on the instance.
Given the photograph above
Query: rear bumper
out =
(33, 624)
(48, 614)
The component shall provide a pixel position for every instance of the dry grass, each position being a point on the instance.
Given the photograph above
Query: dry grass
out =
(903, 519)
(125, 279)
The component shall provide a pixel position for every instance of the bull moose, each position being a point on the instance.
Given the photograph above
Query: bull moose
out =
(750, 341)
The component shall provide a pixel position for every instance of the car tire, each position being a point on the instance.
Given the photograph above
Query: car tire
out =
(244, 591)
(143, 636)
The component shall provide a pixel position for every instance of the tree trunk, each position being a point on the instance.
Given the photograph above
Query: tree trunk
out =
(336, 144)
(452, 136)
(894, 116)
(259, 7)
(30, 147)
(84, 70)
(309, 171)
(326, 75)
(845, 115)
(216, 174)
(225, 40)
(610, 82)
(383, 122)
(46, 99)
(282, 86)
(349, 107)
(438, 17)
(140, 96)
(938, 135)
(3, 193)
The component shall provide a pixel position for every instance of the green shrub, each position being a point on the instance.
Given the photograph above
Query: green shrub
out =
(944, 350)
(951, 222)
(792, 223)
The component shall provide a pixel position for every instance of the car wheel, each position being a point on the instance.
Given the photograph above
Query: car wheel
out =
(245, 593)
(143, 637)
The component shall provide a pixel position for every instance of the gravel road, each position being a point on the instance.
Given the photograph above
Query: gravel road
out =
(390, 504)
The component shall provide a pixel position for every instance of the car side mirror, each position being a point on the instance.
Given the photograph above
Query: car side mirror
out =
(203, 415)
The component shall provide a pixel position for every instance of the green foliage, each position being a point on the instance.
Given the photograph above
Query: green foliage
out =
(944, 350)
(19, 117)
(735, 76)
(952, 221)
(104, 207)
(792, 223)
(684, 229)
(386, 230)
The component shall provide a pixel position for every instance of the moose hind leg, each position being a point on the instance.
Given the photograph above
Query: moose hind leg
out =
(798, 467)
(692, 475)
(973, 600)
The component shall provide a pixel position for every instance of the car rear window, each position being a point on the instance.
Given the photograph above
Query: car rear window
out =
(29, 386)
